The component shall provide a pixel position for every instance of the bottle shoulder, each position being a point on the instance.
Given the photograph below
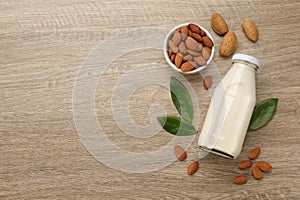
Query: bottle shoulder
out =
(239, 73)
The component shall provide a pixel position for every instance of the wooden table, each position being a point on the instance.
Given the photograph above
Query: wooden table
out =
(43, 45)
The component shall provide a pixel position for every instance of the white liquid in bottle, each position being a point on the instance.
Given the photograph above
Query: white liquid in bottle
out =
(230, 110)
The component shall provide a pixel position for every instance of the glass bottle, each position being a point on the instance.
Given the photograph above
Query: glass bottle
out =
(230, 110)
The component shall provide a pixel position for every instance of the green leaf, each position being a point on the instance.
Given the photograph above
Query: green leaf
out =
(181, 99)
(176, 125)
(263, 113)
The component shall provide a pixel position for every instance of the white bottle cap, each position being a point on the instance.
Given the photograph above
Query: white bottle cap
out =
(247, 58)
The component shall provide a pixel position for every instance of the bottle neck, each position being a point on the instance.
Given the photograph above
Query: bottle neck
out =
(246, 64)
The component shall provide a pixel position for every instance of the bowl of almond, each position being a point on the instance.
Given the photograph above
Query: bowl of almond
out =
(189, 48)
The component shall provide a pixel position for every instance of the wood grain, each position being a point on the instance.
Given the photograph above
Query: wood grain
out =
(42, 46)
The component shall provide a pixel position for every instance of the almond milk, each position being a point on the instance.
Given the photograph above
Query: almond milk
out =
(230, 110)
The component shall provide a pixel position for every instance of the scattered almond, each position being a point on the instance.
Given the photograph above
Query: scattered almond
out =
(259, 167)
(250, 30)
(264, 166)
(245, 164)
(180, 152)
(256, 173)
(254, 153)
(218, 24)
(228, 44)
(193, 167)
(207, 82)
(239, 180)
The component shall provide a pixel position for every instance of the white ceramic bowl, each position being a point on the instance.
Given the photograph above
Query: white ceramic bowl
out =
(166, 49)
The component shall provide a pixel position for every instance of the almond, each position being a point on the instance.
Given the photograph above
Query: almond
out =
(192, 44)
(186, 67)
(176, 38)
(218, 24)
(182, 48)
(228, 44)
(264, 166)
(240, 180)
(173, 47)
(188, 58)
(178, 60)
(180, 152)
(207, 82)
(256, 173)
(207, 42)
(254, 153)
(193, 167)
(206, 51)
(202, 33)
(194, 53)
(194, 28)
(184, 32)
(190, 33)
(169, 53)
(197, 37)
(250, 30)
(245, 164)
(193, 63)
(173, 58)
(200, 61)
